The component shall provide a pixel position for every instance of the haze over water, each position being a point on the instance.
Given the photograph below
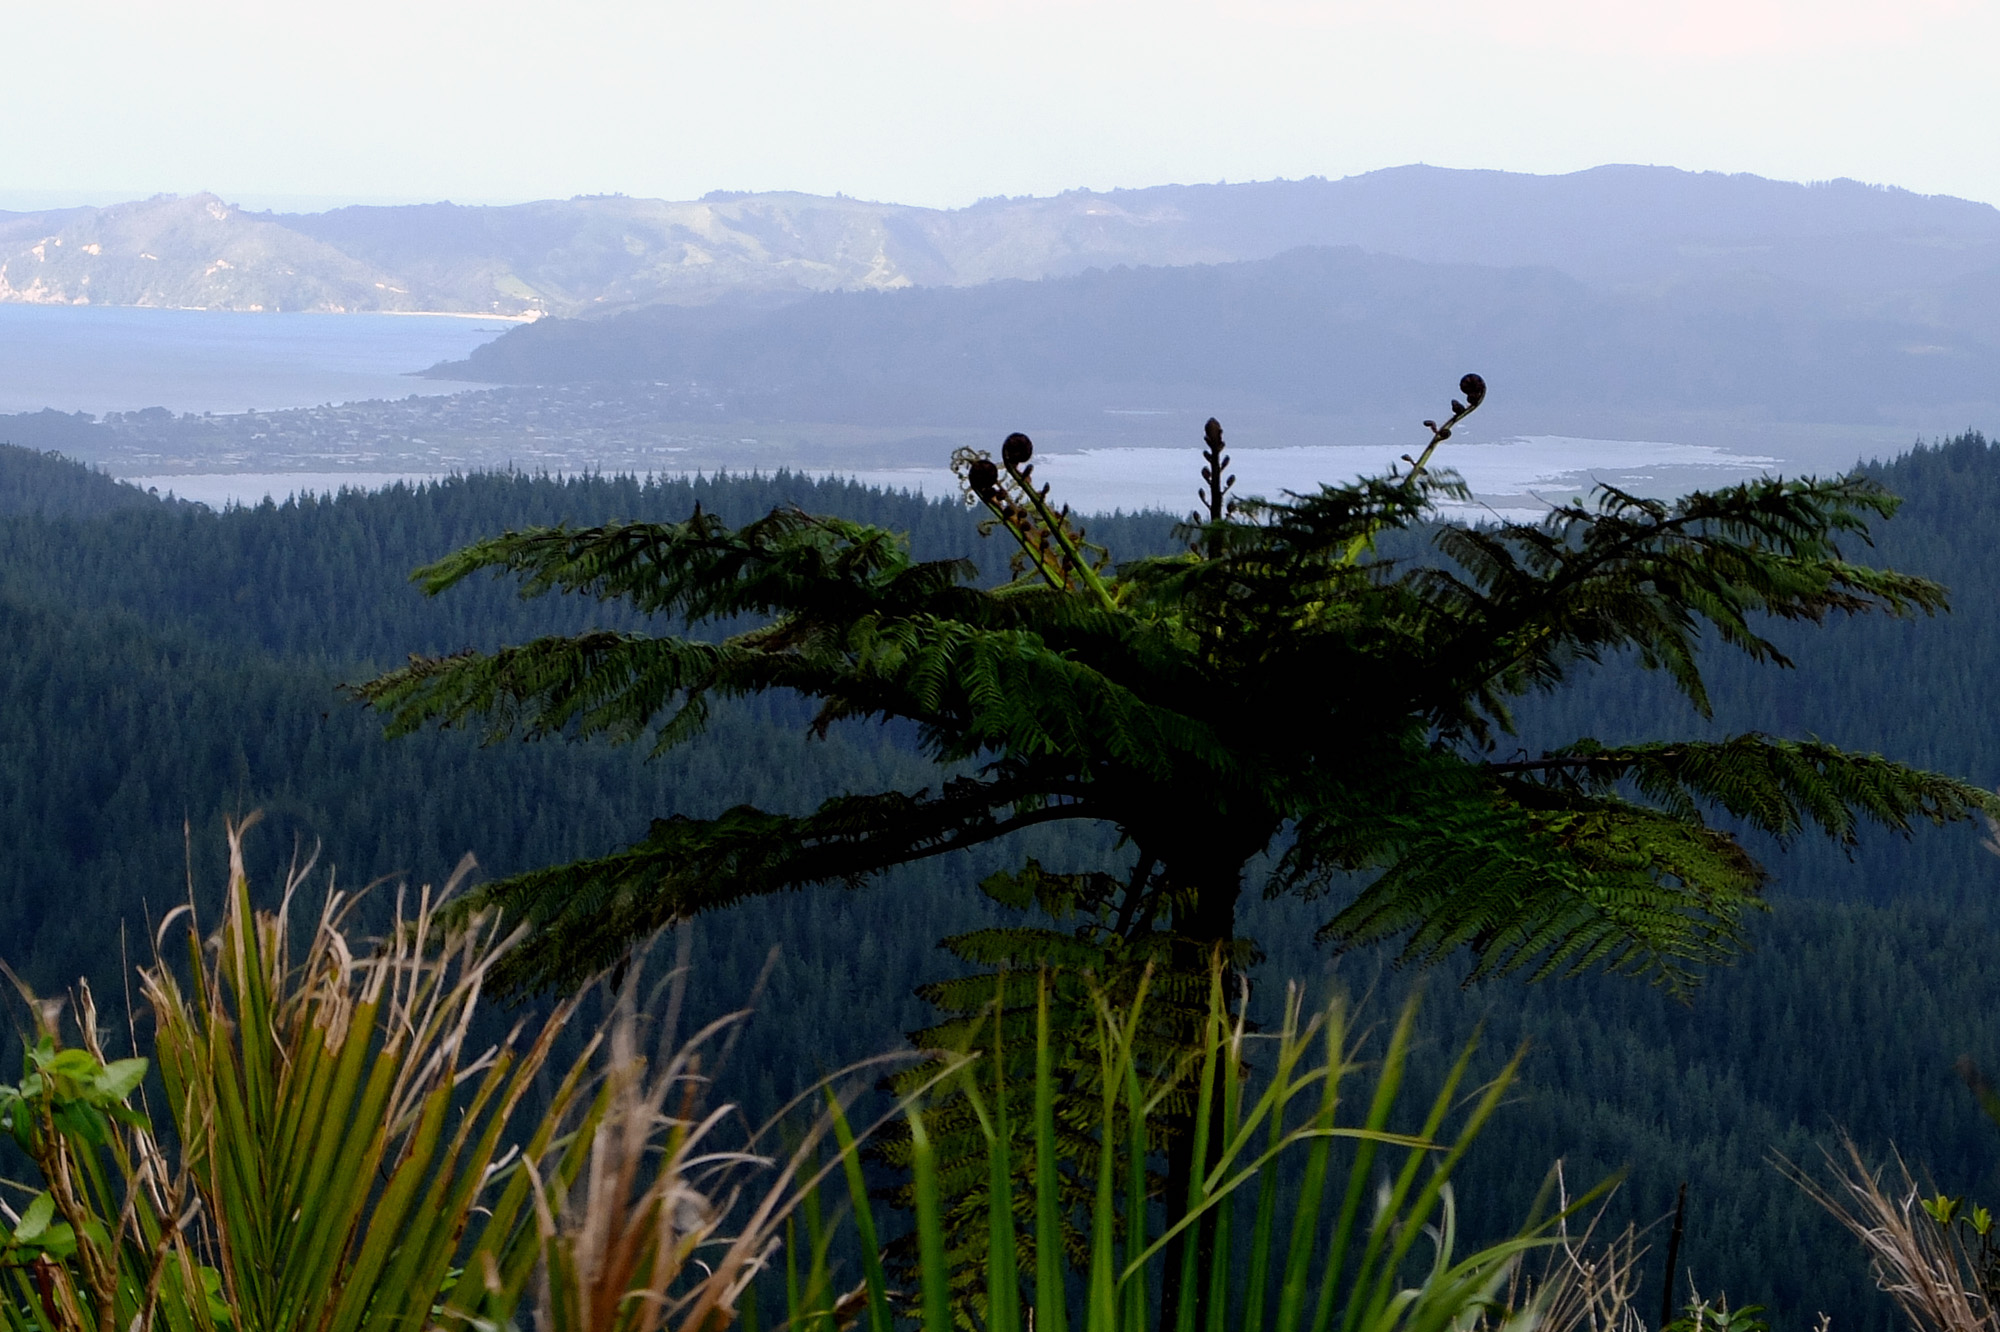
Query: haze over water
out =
(100, 359)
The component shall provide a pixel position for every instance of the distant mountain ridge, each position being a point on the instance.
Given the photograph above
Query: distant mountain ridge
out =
(1613, 226)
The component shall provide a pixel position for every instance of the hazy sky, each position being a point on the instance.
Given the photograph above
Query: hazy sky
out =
(943, 101)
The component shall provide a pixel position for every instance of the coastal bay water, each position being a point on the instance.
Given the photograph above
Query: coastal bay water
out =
(1511, 479)
(101, 359)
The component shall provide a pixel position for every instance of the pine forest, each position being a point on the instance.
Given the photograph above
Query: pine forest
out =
(169, 671)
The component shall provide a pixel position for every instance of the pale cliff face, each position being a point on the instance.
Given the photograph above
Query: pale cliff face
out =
(196, 252)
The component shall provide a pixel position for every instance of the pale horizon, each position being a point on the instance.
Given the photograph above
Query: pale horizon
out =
(940, 104)
(28, 201)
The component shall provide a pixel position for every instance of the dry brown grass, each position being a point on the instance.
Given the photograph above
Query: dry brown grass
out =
(1923, 1266)
(664, 1227)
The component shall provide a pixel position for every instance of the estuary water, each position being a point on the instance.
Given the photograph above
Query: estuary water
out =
(101, 359)
(1513, 479)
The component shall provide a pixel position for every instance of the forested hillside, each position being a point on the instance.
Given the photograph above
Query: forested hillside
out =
(166, 666)
(51, 485)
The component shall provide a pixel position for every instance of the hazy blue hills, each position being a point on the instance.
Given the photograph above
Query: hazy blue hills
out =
(1614, 226)
(1315, 332)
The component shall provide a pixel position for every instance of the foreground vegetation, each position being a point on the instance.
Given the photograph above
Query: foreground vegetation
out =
(337, 1154)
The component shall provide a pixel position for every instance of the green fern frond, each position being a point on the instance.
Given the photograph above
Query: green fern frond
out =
(1779, 787)
(584, 917)
(1571, 886)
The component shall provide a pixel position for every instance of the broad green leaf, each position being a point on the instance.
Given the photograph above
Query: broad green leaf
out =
(121, 1077)
(35, 1218)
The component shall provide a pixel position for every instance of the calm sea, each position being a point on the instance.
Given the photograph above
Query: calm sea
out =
(106, 359)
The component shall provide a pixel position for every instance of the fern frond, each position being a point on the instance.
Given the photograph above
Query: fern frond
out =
(1587, 883)
(584, 917)
(1776, 786)
(788, 562)
(1527, 601)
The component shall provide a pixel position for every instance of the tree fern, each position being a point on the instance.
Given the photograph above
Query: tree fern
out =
(1282, 685)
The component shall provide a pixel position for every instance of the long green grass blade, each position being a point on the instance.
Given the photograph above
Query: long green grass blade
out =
(1388, 1083)
(795, 1298)
(1230, 1066)
(933, 1276)
(864, 1217)
(1197, 1193)
(508, 1243)
(341, 1168)
(1272, 1106)
(819, 1277)
(1132, 1289)
(391, 1215)
(1003, 1280)
(1374, 1276)
(1292, 1287)
(1427, 1200)
(1261, 1231)
(1101, 1310)
(434, 1237)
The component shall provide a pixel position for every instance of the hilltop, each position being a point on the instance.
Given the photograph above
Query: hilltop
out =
(1620, 227)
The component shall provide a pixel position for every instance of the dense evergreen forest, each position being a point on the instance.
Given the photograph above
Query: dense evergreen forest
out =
(167, 666)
